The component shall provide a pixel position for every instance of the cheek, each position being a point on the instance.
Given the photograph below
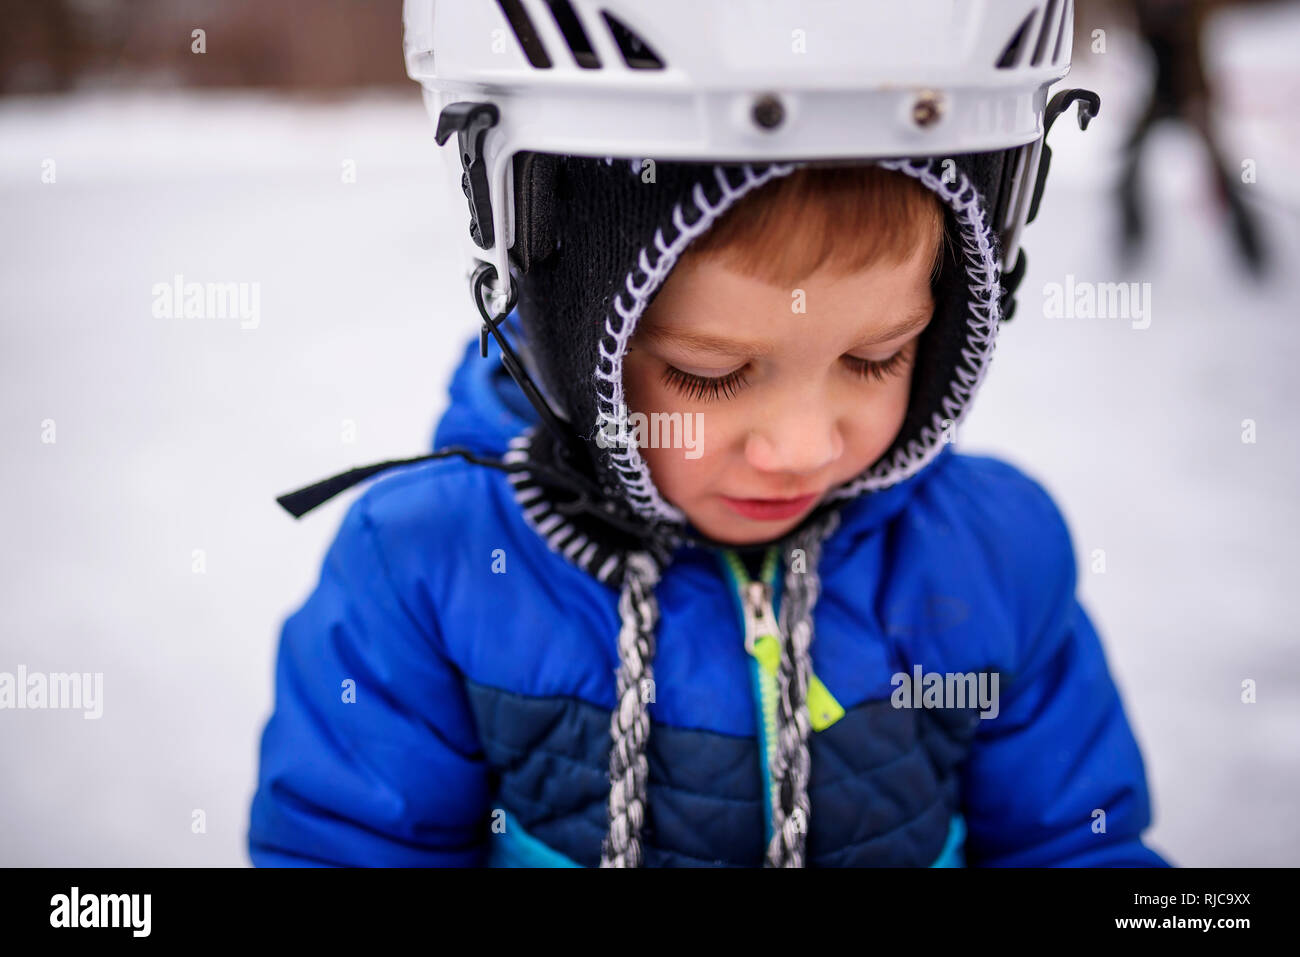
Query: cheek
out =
(900, 394)
(875, 423)
(892, 411)
(680, 473)
(683, 475)
(669, 472)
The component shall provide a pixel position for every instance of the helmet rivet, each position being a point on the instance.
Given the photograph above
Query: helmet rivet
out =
(768, 112)
(927, 109)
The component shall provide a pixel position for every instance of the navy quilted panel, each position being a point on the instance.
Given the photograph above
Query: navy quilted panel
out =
(882, 778)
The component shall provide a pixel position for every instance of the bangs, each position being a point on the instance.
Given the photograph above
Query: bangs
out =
(843, 219)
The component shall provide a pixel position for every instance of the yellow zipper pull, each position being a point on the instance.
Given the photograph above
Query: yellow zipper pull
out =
(823, 709)
(763, 641)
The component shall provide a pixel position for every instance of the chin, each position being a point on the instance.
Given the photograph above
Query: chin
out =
(731, 530)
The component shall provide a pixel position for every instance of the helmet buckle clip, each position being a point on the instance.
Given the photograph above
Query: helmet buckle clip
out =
(471, 121)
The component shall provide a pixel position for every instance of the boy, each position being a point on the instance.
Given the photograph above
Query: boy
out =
(827, 639)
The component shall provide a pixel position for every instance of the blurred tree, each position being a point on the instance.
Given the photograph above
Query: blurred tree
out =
(57, 45)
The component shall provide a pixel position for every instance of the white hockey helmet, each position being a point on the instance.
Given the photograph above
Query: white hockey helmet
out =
(741, 80)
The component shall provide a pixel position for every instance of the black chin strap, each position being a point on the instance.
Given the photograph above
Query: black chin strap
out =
(571, 449)
(587, 497)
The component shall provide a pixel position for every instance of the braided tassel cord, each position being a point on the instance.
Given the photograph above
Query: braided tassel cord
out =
(630, 722)
(791, 813)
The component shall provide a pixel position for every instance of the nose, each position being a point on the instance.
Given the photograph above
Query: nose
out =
(796, 440)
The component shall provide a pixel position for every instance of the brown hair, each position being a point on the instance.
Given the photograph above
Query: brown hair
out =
(845, 218)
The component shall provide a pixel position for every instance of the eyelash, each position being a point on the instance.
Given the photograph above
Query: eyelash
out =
(700, 387)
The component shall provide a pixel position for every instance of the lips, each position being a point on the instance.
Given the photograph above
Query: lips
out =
(770, 509)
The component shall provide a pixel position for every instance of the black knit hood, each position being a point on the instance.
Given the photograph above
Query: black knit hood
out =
(596, 245)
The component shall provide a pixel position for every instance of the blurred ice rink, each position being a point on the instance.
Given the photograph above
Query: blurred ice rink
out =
(176, 434)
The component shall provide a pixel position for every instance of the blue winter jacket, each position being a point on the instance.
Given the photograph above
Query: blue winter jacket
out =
(443, 697)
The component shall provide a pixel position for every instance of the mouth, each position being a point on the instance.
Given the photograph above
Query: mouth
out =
(770, 509)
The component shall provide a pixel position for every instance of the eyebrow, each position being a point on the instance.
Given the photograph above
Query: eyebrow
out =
(725, 346)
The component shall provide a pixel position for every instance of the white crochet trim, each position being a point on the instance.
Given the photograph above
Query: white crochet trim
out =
(984, 267)
(631, 468)
(981, 264)
(560, 534)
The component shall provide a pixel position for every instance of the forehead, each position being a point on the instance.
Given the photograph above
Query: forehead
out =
(706, 300)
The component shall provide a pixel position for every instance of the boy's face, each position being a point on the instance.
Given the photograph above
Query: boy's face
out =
(786, 403)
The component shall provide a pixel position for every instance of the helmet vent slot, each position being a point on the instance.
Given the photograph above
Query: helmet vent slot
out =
(525, 33)
(576, 37)
(1011, 53)
(636, 51)
(1045, 34)
(1067, 18)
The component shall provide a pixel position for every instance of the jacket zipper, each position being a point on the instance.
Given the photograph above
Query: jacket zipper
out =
(758, 602)
(762, 634)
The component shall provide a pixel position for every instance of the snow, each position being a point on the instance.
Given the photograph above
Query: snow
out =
(176, 434)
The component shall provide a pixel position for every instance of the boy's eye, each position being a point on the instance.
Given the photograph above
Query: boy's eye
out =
(701, 387)
(879, 369)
